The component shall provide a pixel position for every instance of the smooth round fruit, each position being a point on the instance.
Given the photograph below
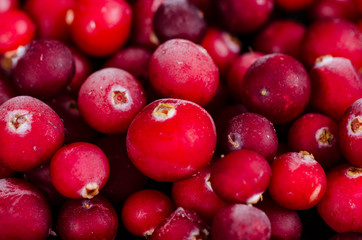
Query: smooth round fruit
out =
(171, 139)
(30, 133)
(24, 212)
(79, 170)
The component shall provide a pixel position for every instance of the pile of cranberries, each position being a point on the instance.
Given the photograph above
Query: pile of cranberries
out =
(180, 119)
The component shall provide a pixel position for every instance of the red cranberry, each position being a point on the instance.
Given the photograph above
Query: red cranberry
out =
(102, 27)
(350, 137)
(285, 223)
(30, 133)
(182, 69)
(133, 59)
(237, 70)
(244, 16)
(298, 181)
(6, 172)
(276, 86)
(222, 47)
(165, 152)
(251, 131)
(239, 222)
(336, 84)
(50, 17)
(142, 29)
(332, 9)
(16, 29)
(179, 19)
(181, 224)
(281, 36)
(341, 205)
(109, 99)
(87, 219)
(241, 176)
(40, 177)
(144, 210)
(294, 5)
(336, 37)
(24, 212)
(44, 69)
(196, 194)
(7, 5)
(124, 178)
(318, 135)
(79, 170)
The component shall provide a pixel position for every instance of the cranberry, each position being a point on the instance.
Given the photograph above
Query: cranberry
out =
(142, 29)
(222, 47)
(332, 77)
(294, 5)
(237, 70)
(6, 172)
(281, 36)
(350, 129)
(124, 178)
(16, 29)
(285, 223)
(317, 134)
(332, 9)
(87, 219)
(7, 5)
(40, 177)
(179, 19)
(298, 181)
(196, 194)
(241, 176)
(109, 99)
(181, 224)
(251, 131)
(79, 170)
(100, 28)
(30, 133)
(336, 37)
(240, 221)
(24, 212)
(340, 206)
(182, 69)
(276, 86)
(144, 210)
(50, 17)
(165, 152)
(244, 16)
(44, 69)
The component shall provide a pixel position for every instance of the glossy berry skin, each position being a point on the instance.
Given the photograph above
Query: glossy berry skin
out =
(241, 176)
(298, 181)
(281, 36)
(109, 99)
(333, 9)
(182, 69)
(196, 194)
(239, 222)
(24, 212)
(341, 206)
(164, 152)
(179, 19)
(350, 130)
(7, 5)
(318, 135)
(44, 69)
(244, 16)
(87, 219)
(17, 29)
(50, 18)
(222, 47)
(251, 131)
(276, 86)
(144, 210)
(100, 28)
(182, 224)
(332, 77)
(336, 37)
(79, 170)
(30, 133)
